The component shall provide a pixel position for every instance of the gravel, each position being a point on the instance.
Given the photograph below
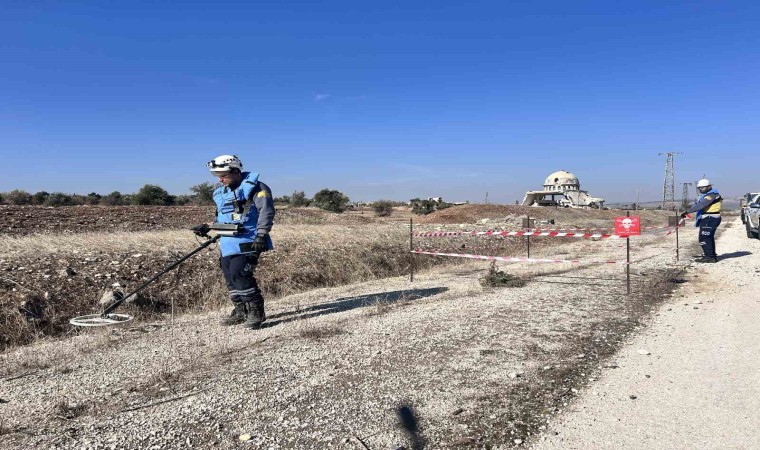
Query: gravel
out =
(701, 390)
(335, 366)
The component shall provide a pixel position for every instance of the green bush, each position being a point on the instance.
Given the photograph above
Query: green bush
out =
(382, 208)
(331, 200)
(181, 200)
(18, 197)
(150, 194)
(497, 278)
(284, 200)
(113, 199)
(203, 193)
(420, 206)
(40, 197)
(299, 199)
(59, 199)
(93, 198)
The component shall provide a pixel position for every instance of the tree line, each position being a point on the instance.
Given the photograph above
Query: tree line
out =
(150, 194)
(202, 194)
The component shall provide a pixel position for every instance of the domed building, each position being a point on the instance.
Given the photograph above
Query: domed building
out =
(562, 188)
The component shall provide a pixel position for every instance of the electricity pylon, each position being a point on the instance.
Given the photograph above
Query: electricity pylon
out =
(669, 185)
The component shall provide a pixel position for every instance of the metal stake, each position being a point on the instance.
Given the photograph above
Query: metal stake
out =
(628, 259)
(528, 237)
(678, 225)
(411, 249)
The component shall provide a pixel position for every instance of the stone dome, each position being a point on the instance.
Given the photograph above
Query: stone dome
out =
(562, 180)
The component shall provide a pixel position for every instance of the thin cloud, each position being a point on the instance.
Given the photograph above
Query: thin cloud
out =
(320, 97)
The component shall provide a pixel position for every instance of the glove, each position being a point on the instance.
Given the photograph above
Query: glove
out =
(684, 214)
(260, 244)
(201, 230)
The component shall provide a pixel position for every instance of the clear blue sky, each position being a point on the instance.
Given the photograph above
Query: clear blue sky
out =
(391, 99)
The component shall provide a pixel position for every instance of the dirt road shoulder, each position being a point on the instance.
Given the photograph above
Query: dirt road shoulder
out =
(691, 380)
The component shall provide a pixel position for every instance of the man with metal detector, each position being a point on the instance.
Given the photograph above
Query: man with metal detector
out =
(708, 219)
(244, 216)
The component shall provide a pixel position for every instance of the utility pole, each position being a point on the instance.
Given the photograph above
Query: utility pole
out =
(685, 196)
(669, 185)
(636, 206)
(486, 198)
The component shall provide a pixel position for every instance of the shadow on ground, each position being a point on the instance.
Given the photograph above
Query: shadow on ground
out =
(738, 254)
(349, 303)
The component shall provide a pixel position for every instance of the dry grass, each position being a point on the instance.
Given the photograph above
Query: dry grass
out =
(305, 257)
(309, 329)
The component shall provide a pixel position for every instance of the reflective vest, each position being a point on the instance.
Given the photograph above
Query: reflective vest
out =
(236, 206)
(712, 208)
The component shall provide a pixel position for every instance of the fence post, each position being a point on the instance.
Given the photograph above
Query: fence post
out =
(628, 259)
(678, 225)
(528, 237)
(411, 249)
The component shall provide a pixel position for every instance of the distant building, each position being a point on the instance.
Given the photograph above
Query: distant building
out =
(562, 188)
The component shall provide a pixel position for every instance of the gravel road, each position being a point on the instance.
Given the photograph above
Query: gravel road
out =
(692, 379)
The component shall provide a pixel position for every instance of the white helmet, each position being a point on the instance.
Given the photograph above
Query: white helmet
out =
(222, 164)
(704, 182)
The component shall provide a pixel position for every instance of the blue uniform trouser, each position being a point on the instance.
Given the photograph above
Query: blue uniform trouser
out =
(238, 275)
(707, 228)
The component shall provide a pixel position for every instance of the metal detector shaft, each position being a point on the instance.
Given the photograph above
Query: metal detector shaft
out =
(121, 300)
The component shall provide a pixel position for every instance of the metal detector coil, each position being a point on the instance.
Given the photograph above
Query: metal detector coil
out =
(107, 317)
(100, 320)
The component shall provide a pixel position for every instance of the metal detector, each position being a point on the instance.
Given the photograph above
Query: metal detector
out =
(108, 318)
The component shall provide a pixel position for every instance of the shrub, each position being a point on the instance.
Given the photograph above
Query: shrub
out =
(18, 197)
(113, 199)
(204, 193)
(299, 199)
(382, 208)
(59, 199)
(93, 198)
(77, 199)
(180, 200)
(150, 194)
(427, 206)
(331, 200)
(284, 200)
(497, 278)
(40, 197)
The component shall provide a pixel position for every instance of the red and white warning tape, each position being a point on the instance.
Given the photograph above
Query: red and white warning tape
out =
(681, 223)
(519, 233)
(509, 259)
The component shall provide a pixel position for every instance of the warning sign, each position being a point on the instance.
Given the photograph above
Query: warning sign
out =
(627, 226)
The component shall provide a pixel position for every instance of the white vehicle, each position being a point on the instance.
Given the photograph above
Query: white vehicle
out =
(744, 202)
(752, 217)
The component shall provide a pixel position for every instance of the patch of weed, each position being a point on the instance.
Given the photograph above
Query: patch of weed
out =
(498, 278)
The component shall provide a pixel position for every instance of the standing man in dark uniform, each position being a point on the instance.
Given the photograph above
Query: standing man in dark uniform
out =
(708, 219)
(243, 201)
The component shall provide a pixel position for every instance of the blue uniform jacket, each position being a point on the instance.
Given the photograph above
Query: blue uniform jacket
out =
(258, 218)
(704, 202)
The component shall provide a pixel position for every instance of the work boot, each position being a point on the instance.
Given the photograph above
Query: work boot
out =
(707, 259)
(237, 316)
(255, 316)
